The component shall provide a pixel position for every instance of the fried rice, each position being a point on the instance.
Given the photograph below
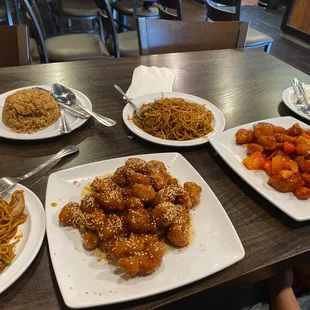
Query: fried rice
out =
(30, 110)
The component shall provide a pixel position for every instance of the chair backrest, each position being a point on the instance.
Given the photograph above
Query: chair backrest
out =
(223, 10)
(187, 36)
(165, 7)
(135, 4)
(14, 49)
(108, 27)
(36, 25)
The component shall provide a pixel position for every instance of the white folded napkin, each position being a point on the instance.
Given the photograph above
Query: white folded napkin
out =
(148, 80)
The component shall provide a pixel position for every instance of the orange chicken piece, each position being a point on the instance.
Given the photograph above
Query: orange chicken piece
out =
(286, 181)
(244, 136)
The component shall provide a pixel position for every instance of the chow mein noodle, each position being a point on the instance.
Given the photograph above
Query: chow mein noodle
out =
(175, 119)
(11, 215)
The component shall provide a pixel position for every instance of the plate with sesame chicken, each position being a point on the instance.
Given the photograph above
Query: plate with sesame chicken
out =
(131, 227)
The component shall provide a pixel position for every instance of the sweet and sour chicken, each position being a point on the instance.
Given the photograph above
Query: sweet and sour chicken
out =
(284, 154)
(132, 213)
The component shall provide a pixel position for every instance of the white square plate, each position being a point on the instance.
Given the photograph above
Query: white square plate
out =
(85, 282)
(233, 154)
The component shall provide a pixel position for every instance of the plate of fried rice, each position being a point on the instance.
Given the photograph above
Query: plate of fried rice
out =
(30, 113)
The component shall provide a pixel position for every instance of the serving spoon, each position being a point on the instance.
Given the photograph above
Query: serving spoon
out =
(68, 97)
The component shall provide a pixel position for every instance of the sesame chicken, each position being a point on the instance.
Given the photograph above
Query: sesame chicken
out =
(140, 221)
(67, 212)
(111, 201)
(89, 204)
(131, 215)
(145, 192)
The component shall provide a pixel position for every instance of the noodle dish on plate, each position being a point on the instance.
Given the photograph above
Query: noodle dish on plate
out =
(174, 119)
(22, 229)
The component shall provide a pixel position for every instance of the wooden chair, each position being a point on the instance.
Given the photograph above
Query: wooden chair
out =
(229, 10)
(133, 9)
(14, 49)
(165, 7)
(121, 45)
(64, 47)
(186, 36)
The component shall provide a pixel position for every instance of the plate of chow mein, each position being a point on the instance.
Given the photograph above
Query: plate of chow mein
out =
(174, 119)
(22, 228)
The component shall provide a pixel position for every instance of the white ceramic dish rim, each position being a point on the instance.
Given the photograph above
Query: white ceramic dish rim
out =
(218, 123)
(237, 166)
(50, 230)
(50, 131)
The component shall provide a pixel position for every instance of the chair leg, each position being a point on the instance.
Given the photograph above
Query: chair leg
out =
(61, 24)
(122, 20)
(69, 22)
(54, 23)
(94, 22)
(8, 12)
(17, 10)
(268, 47)
(114, 14)
(125, 23)
(101, 30)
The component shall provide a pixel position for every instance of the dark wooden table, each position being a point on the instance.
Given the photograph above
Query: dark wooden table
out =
(247, 87)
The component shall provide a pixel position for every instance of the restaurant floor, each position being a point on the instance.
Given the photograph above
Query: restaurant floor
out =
(268, 21)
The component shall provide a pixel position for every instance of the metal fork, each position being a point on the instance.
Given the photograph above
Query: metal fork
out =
(300, 104)
(295, 84)
(136, 110)
(6, 183)
(303, 91)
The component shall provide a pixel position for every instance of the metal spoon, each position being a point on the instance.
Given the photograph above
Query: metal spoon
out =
(69, 98)
(136, 110)
(303, 90)
(300, 104)
(64, 125)
(295, 83)
(74, 112)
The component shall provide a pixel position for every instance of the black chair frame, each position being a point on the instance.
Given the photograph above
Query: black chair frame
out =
(165, 5)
